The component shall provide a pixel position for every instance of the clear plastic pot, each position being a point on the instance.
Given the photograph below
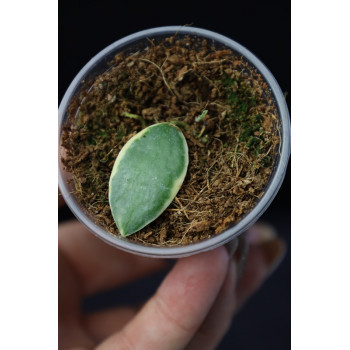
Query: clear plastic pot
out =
(132, 43)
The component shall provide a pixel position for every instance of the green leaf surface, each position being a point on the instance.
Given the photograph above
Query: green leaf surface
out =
(146, 176)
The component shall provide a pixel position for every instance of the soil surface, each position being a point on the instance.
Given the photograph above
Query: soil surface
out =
(223, 107)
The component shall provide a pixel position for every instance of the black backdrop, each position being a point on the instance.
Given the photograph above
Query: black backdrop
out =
(86, 27)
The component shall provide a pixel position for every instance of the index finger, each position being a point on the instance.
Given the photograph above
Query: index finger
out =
(179, 307)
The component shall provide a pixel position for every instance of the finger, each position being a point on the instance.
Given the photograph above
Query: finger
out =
(98, 265)
(70, 329)
(266, 253)
(101, 325)
(178, 308)
(220, 315)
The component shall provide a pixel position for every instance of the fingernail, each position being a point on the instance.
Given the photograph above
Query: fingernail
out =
(274, 252)
(260, 233)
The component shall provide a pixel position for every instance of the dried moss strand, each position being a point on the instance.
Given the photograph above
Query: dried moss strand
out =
(161, 72)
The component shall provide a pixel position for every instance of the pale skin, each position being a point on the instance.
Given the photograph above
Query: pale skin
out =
(192, 308)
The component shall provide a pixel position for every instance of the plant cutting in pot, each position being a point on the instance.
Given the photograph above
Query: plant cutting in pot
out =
(172, 141)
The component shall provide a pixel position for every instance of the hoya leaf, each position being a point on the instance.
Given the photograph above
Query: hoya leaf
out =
(146, 176)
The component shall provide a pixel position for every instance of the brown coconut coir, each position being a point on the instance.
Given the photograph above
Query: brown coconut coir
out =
(222, 105)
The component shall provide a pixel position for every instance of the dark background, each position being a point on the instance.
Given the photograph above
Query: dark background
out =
(86, 27)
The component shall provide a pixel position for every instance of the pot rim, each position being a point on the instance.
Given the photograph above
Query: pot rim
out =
(248, 219)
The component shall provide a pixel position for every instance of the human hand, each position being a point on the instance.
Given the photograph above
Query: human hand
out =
(191, 309)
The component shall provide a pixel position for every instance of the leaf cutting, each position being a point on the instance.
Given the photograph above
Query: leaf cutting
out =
(146, 176)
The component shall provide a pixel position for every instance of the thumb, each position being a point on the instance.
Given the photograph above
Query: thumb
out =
(178, 308)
